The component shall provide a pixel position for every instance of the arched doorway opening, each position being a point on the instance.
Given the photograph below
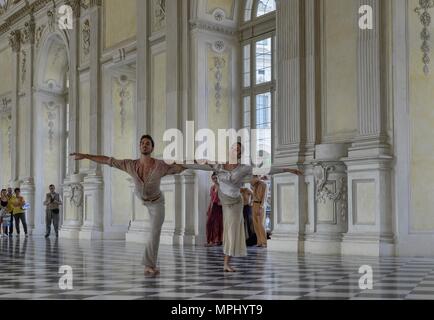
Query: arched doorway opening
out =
(51, 120)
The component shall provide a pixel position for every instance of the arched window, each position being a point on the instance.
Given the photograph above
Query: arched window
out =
(258, 47)
(265, 6)
(258, 8)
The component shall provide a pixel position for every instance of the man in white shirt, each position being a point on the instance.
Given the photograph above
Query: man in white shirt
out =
(52, 202)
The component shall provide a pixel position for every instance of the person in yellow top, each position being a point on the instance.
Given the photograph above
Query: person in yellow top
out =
(16, 204)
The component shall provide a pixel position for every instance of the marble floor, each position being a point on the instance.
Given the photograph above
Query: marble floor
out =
(111, 270)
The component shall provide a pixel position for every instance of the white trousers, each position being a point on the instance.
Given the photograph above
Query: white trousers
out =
(156, 216)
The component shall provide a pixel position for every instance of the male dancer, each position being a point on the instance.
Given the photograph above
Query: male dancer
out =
(147, 173)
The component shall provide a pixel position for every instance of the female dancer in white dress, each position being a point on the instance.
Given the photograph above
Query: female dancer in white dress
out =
(231, 178)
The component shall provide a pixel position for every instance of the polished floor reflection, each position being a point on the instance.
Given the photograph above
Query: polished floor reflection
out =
(112, 270)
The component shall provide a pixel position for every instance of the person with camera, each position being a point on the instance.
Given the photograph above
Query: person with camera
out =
(18, 206)
(52, 202)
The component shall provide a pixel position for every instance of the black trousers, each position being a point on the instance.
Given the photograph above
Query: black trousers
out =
(22, 217)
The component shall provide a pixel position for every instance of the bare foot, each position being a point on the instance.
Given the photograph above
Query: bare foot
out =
(228, 269)
(151, 271)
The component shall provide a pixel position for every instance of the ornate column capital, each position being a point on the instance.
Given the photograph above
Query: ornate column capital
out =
(15, 40)
(29, 31)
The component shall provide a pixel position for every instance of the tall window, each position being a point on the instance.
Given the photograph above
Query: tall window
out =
(258, 43)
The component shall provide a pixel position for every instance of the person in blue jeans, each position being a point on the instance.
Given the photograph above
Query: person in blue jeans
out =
(5, 215)
(11, 222)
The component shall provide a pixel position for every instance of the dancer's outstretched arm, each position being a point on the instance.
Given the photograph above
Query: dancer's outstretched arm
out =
(273, 171)
(199, 167)
(98, 159)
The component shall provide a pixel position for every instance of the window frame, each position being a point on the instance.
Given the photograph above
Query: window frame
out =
(256, 89)
(251, 32)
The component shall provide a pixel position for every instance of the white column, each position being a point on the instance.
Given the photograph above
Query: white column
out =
(72, 213)
(175, 232)
(93, 182)
(137, 228)
(313, 123)
(312, 76)
(74, 126)
(289, 112)
(27, 70)
(15, 42)
(289, 209)
(372, 111)
(369, 162)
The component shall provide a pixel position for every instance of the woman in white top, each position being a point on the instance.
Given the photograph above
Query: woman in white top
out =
(231, 178)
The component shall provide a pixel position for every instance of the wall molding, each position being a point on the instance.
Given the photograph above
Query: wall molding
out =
(206, 25)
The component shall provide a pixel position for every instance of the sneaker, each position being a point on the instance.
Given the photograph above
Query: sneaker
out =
(26, 235)
(46, 236)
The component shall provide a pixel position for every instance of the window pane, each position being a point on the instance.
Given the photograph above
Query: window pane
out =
(263, 124)
(246, 66)
(246, 112)
(263, 60)
(265, 6)
(274, 71)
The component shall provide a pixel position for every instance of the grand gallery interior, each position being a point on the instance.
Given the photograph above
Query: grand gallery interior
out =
(350, 106)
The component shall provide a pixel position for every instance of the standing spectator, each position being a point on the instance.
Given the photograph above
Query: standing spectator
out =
(52, 202)
(17, 203)
(5, 215)
(247, 212)
(9, 195)
(259, 197)
(214, 225)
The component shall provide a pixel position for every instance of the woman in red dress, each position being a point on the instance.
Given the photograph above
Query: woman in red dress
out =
(214, 225)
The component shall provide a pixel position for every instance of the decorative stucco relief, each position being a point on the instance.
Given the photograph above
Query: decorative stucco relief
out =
(425, 19)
